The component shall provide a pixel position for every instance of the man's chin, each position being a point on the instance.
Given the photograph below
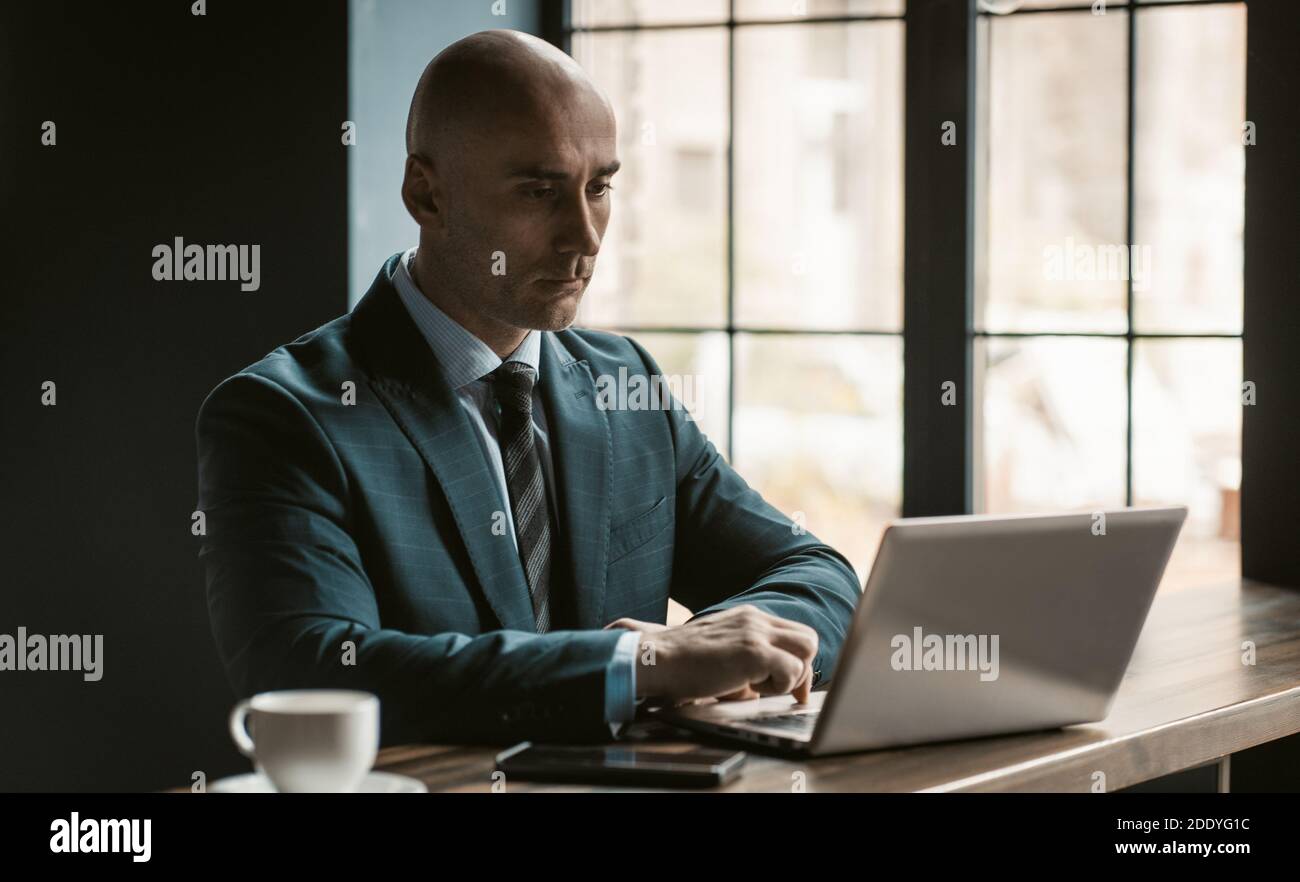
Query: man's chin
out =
(557, 316)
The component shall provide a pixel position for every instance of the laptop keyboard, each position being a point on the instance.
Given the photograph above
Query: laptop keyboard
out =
(803, 722)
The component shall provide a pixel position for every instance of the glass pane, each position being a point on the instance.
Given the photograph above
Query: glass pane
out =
(819, 169)
(1050, 424)
(1098, 7)
(764, 9)
(1187, 449)
(663, 259)
(696, 367)
(1190, 167)
(590, 13)
(1002, 7)
(819, 430)
(1057, 163)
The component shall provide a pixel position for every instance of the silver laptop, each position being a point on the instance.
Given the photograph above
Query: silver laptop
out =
(971, 626)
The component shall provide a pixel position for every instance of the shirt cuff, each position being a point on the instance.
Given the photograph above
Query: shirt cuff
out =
(620, 682)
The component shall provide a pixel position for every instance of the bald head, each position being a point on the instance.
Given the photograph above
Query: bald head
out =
(510, 152)
(489, 82)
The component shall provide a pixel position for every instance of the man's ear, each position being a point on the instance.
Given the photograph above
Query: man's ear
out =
(421, 193)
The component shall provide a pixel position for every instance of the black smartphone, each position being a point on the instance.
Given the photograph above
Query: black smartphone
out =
(664, 766)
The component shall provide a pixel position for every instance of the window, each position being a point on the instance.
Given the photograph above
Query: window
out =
(757, 234)
(1108, 303)
(758, 244)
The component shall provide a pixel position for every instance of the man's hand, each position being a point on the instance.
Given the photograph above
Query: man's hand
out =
(737, 654)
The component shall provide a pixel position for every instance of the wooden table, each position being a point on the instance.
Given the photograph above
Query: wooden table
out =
(1188, 699)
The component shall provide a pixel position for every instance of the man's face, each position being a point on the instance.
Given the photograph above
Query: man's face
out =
(528, 214)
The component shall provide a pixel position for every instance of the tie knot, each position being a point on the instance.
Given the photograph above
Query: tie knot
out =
(513, 383)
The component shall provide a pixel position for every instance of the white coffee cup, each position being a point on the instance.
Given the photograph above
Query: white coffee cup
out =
(309, 740)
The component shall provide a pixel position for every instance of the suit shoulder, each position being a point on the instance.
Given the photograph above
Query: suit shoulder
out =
(603, 349)
(314, 364)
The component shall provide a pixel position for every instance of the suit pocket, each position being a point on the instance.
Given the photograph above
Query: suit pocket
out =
(630, 535)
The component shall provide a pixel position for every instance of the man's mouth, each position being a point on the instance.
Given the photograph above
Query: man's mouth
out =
(563, 284)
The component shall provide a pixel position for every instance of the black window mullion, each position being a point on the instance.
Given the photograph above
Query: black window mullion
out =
(556, 20)
(731, 230)
(1131, 136)
(938, 267)
(1270, 466)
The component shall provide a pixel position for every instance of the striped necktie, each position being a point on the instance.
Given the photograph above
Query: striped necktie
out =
(513, 384)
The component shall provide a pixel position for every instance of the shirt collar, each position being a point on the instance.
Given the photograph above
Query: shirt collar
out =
(464, 357)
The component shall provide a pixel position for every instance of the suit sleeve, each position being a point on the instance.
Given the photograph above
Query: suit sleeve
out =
(292, 607)
(733, 548)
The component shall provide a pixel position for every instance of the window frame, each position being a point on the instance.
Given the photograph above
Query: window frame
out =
(558, 29)
(940, 81)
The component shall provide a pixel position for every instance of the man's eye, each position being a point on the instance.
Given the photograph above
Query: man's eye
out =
(537, 194)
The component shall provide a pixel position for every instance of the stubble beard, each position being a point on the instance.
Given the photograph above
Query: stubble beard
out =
(529, 309)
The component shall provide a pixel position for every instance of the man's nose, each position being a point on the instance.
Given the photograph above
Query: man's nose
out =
(577, 231)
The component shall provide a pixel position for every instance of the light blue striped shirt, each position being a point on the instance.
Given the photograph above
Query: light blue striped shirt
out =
(466, 362)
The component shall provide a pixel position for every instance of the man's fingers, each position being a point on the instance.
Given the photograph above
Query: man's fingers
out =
(636, 625)
(784, 670)
(807, 654)
(803, 691)
(791, 626)
(796, 642)
(763, 617)
(744, 693)
(801, 641)
(780, 660)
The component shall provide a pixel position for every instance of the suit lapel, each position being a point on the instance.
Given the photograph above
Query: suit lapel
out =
(407, 379)
(580, 454)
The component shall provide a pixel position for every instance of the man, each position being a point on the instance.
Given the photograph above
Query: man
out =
(428, 499)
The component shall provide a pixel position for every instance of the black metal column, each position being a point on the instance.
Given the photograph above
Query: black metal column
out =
(938, 257)
(1270, 443)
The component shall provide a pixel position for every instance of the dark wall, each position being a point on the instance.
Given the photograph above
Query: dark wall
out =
(223, 128)
(1270, 431)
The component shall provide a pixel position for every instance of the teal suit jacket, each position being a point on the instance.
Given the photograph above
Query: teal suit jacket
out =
(348, 534)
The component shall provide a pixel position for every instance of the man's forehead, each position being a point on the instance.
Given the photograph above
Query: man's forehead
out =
(547, 158)
(570, 134)
(558, 169)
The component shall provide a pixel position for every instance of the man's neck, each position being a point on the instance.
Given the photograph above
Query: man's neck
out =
(502, 339)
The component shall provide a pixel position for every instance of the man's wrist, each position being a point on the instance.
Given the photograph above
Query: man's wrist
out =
(647, 658)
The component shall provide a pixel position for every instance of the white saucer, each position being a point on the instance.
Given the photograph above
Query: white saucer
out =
(374, 782)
